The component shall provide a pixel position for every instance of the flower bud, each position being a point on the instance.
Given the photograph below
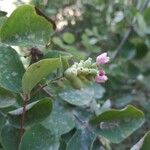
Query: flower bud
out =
(81, 63)
(70, 73)
(90, 77)
(75, 65)
(85, 71)
(76, 83)
(102, 59)
(94, 65)
(93, 71)
(80, 70)
(88, 63)
(83, 78)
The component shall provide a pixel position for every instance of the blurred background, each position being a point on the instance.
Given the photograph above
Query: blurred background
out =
(85, 28)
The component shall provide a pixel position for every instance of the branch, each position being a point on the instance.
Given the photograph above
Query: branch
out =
(40, 87)
(46, 92)
(25, 100)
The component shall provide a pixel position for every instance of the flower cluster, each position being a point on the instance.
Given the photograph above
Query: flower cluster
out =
(86, 71)
(81, 72)
(101, 75)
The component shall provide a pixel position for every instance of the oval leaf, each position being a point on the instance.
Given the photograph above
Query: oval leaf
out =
(35, 112)
(60, 121)
(69, 38)
(38, 138)
(78, 97)
(99, 91)
(6, 98)
(116, 125)
(25, 27)
(37, 71)
(10, 63)
(10, 137)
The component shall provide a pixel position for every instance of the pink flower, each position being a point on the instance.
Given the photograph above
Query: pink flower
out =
(101, 77)
(102, 59)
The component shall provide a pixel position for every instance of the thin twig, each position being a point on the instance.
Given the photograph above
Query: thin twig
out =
(128, 33)
(82, 122)
(46, 92)
(57, 79)
(40, 87)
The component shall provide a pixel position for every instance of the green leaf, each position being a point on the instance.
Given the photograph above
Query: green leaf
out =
(68, 38)
(38, 138)
(81, 140)
(10, 137)
(78, 97)
(25, 27)
(6, 98)
(35, 113)
(116, 125)
(60, 121)
(143, 144)
(37, 71)
(11, 76)
(98, 90)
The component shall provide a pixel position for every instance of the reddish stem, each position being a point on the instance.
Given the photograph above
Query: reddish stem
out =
(25, 100)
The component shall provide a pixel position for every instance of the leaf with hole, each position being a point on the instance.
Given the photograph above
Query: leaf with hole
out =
(117, 125)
